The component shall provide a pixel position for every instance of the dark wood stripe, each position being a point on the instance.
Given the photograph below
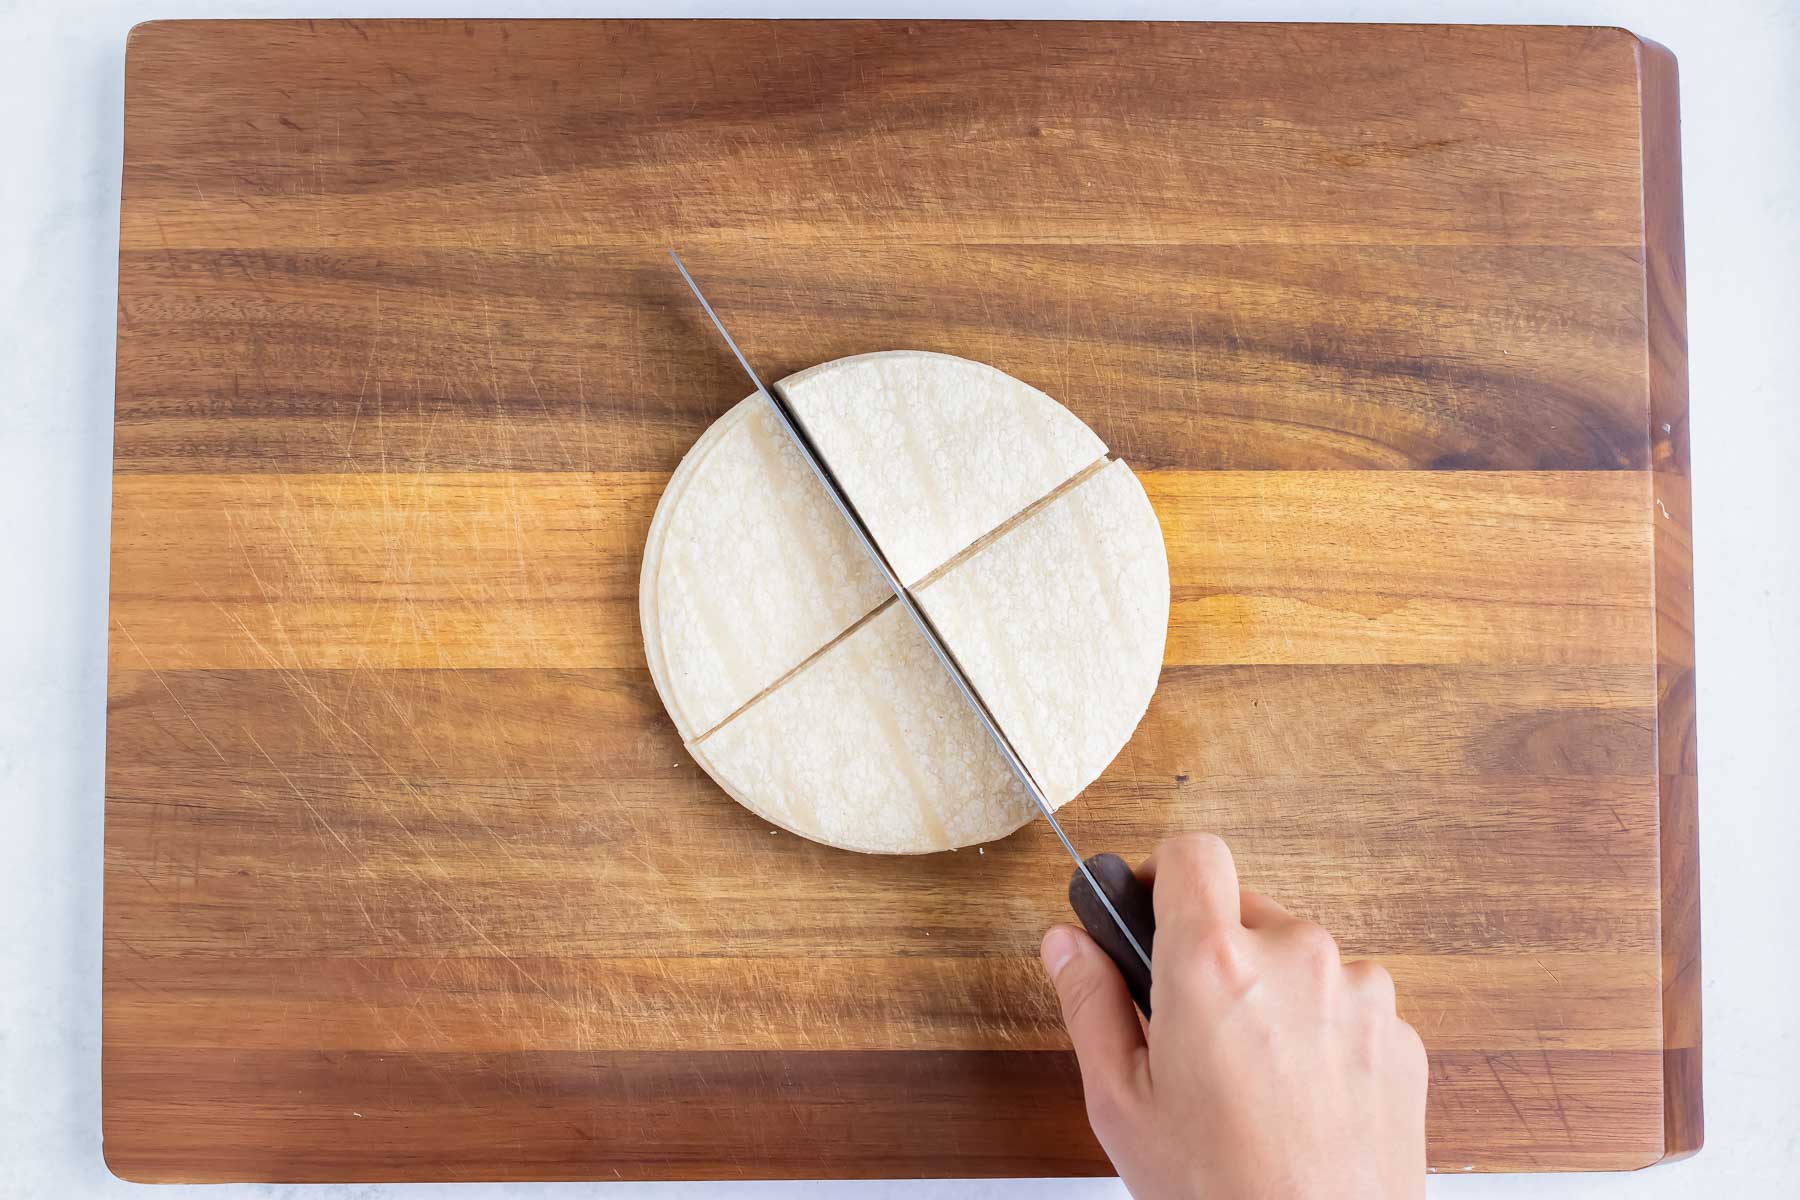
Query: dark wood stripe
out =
(317, 1116)
(1206, 727)
(1243, 357)
(836, 132)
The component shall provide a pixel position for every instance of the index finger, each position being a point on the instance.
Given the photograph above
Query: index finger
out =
(1196, 882)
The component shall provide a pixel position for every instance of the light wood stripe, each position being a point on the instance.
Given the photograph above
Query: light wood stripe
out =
(541, 570)
(429, 1005)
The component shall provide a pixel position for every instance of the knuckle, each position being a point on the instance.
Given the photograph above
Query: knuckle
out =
(1318, 946)
(1216, 961)
(1200, 852)
(1391, 1047)
(1368, 1044)
(1373, 981)
(1226, 958)
(1191, 868)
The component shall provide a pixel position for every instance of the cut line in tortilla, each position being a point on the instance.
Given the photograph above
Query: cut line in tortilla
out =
(841, 725)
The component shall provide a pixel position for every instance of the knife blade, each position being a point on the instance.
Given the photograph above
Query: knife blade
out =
(1124, 892)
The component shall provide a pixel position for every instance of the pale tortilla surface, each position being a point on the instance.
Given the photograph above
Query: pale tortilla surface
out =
(869, 748)
(1059, 622)
(752, 592)
(934, 450)
(649, 612)
(755, 571)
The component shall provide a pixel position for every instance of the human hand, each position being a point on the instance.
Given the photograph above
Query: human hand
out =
(1270, 1068)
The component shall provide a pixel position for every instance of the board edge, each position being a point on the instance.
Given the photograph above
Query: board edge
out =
(1665, 302)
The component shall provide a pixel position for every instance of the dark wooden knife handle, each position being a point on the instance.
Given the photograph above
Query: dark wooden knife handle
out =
(1132, 898)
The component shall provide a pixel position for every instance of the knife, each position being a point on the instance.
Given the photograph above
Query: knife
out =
(1113, 904)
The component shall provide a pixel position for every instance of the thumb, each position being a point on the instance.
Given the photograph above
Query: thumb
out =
(1098, 1011)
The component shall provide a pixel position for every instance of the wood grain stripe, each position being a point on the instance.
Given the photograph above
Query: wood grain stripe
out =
(768, 133)
(406, 868)
(377, 1116)
(526, 570)
(1506, 809)
(426, 1005)
(1180, 357)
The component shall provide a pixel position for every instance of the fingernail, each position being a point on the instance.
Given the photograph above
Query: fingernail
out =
(1058, 948)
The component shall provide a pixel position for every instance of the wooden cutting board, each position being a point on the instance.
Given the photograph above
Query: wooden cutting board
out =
(407, 873)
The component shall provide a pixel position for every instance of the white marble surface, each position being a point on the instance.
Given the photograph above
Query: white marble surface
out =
(60, 87)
